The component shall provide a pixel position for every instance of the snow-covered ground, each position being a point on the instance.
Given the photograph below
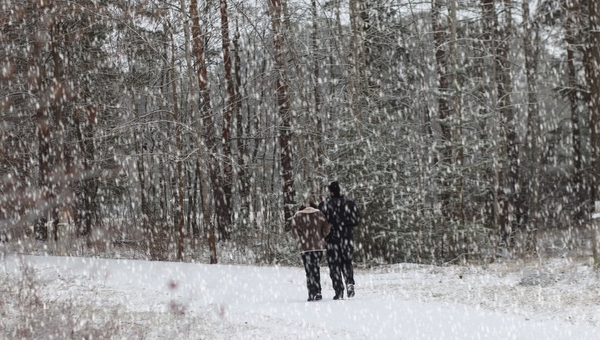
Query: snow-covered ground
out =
(134, 299)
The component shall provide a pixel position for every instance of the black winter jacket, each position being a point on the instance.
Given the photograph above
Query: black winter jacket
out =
(342, 215)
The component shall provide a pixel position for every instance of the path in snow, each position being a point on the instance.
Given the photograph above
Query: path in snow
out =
(247, 302)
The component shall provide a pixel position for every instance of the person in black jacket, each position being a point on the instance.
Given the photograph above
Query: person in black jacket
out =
(343, 216)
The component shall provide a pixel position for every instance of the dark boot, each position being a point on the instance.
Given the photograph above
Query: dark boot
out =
(350, 290)
(315, 297)
(339, 295)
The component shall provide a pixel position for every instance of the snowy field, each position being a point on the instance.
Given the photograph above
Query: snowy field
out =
(45, 297)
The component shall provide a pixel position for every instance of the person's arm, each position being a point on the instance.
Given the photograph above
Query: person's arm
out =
(354, 213)
(325, 228)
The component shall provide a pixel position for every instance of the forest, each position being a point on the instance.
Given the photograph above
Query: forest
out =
(463, 130)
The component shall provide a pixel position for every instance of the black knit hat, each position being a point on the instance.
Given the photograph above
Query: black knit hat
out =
(334, 187)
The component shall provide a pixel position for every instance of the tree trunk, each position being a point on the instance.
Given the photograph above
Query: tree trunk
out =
(208, 123)
(442, 71)
(509, 183)
(593, 77)
(192, 100)
(571, 24)
(527, 203)
(204, 107)
(241, 128)
(349, 78)
(58, 172)
(283, 109)
(441, 58)
(357, 57)
(179, 220)
(596, 244)
(89, 185)
(317, 141)
(458, 208)
(39, 101)
(302, 124)
(489, 37)
(227, 116)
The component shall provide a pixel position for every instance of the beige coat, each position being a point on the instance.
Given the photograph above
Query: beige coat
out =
(310, 229)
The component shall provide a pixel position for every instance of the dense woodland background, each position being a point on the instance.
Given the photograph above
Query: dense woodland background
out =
(464, 130)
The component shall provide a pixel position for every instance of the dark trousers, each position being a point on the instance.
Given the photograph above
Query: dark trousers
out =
(311, 261)
(339, 258)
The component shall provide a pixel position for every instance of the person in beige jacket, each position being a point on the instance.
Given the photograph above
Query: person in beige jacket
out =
(310, 228)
